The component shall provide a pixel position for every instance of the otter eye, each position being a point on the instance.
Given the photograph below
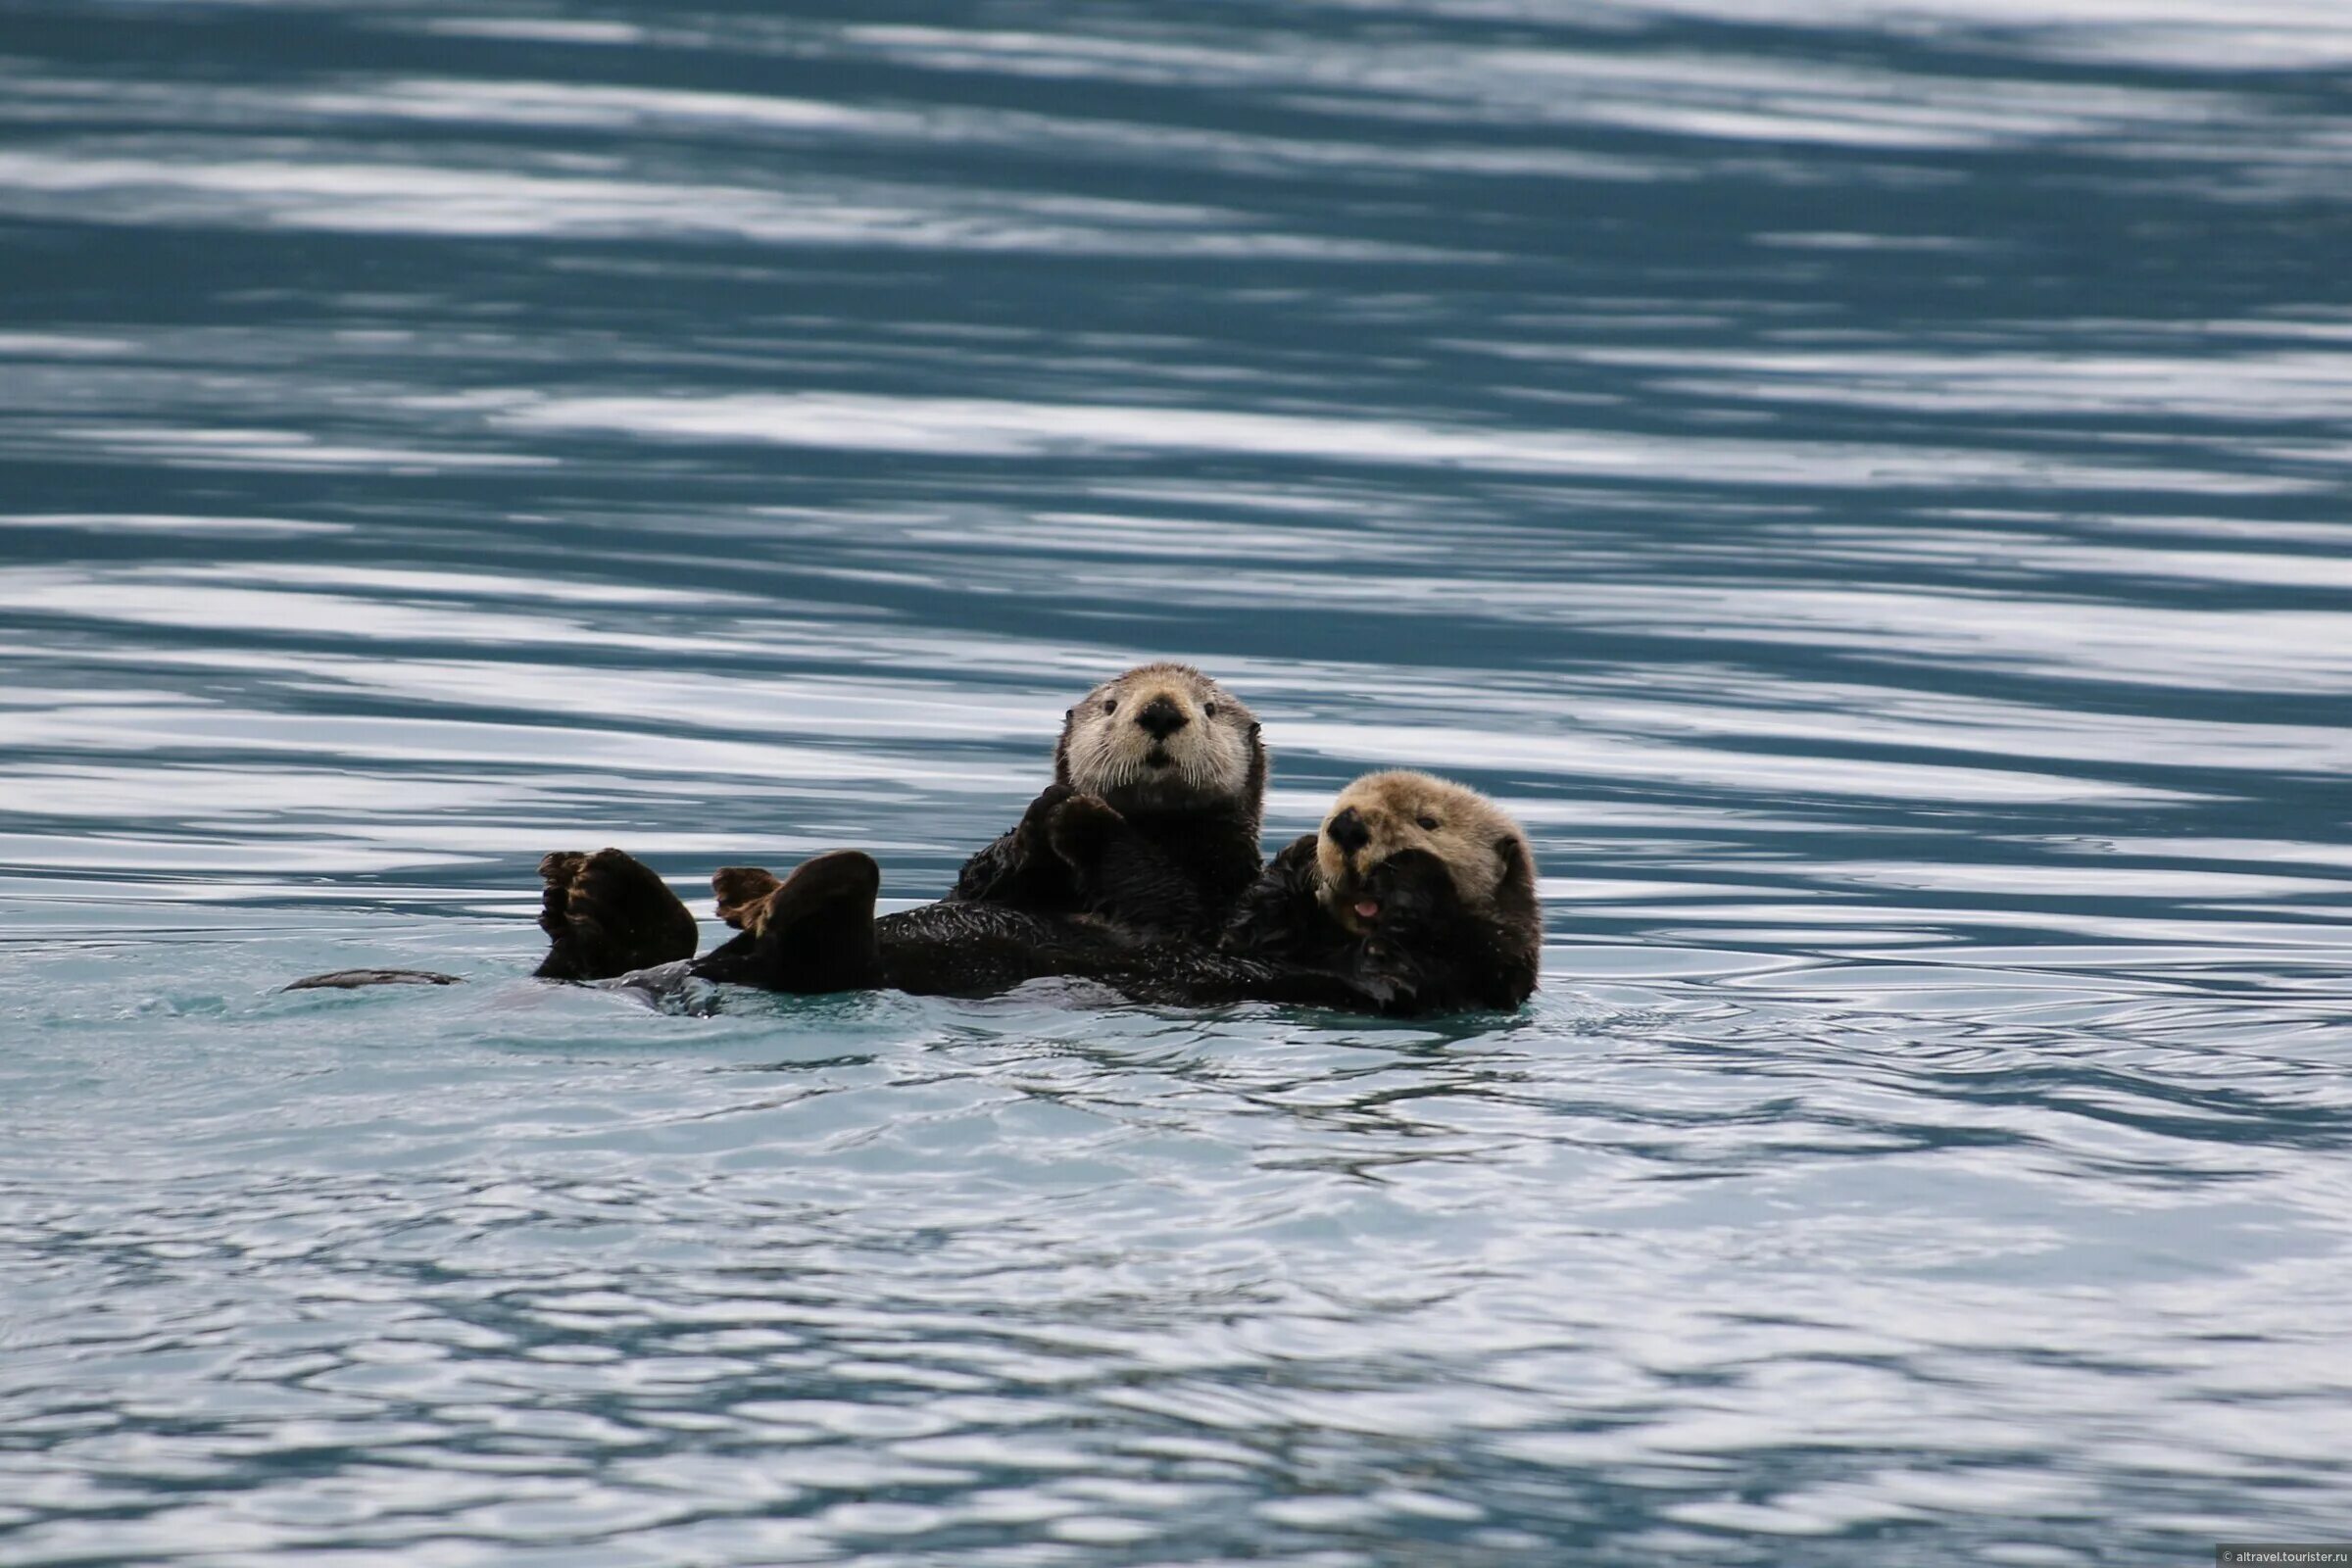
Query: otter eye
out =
(1110, 705)
(1208, 709)
(1429, 824)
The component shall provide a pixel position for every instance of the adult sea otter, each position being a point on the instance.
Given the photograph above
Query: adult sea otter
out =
(1152, 820)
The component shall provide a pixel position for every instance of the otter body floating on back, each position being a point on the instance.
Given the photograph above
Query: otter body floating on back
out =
(1151, 822)
(1416, 896)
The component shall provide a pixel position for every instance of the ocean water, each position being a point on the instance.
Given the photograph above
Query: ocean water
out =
(1865, 480)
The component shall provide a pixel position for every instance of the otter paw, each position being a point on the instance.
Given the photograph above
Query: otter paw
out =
(741, 891)
(1031, 830)
(1298, 855)
(1079, 827)
(1409, 888)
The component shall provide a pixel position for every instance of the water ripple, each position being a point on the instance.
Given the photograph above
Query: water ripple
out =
(1861, 481)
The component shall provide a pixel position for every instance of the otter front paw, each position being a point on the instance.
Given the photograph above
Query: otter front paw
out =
(1279, 913)
(1411, 891)
(1412, 906)
(1297, 856)
(1079, 828)
(1030, 833)
(743, 892)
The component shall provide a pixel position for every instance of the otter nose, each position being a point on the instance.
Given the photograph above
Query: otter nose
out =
(1162, 718)
(1348, 831)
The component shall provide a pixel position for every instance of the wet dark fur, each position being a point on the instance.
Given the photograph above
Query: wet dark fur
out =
(816, 932)
(1159, 872)
(820, 935)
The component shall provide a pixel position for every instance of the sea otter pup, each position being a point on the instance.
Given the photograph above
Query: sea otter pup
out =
(1472, 939)
(1418, 896)
(1153, 817)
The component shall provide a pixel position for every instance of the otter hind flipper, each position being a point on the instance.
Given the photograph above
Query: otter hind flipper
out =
(811, 934)
(605, 915)
(742, 891)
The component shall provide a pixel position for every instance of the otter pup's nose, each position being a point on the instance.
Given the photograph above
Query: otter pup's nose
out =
(1348, 831)
(1162, 718)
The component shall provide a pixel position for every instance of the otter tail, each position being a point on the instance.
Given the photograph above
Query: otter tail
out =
(355, 979)
(810, 934)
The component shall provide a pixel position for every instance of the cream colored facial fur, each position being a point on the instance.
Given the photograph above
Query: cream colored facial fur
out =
(1212, 758)
(1404, 810)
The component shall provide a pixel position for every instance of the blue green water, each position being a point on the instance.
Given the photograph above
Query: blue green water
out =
(1866, 482)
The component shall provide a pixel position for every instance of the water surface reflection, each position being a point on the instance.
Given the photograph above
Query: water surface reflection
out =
(1862, 482)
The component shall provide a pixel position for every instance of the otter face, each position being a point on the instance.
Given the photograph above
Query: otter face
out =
(1163, 737)
(1484, 851)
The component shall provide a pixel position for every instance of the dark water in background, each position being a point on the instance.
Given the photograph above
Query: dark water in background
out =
(1866, 482)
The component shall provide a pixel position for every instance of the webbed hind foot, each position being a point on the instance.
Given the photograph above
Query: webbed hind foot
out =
(811, 932)
(743, 892)
(605, 915)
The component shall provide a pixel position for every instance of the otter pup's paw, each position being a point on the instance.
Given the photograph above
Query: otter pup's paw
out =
(1297, 856)
(1279, 912)
(1079, 827)
(1410, 891)
(743, 892)
(605, 915)
(1412, 905)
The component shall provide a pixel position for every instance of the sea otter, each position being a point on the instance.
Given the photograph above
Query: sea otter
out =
(1153, 817)
(1328, 898)
(1416, 896)
(1151, 822)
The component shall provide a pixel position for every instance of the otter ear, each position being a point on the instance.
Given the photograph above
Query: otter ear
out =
(1255, 727)
(1069, 713)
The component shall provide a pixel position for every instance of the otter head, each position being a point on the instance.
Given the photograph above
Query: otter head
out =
(1485, 853)
(1164, 738)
